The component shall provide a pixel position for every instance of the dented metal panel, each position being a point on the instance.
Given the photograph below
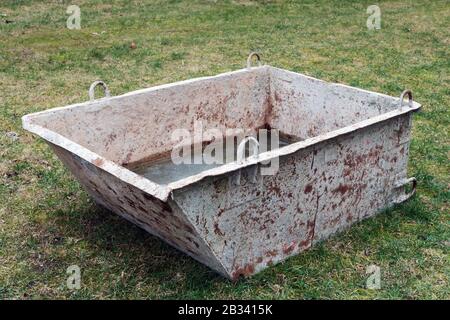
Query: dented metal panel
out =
(346, 161)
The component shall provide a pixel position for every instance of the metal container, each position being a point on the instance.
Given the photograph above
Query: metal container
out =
(345, 160)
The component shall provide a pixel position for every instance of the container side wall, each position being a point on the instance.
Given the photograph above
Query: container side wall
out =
(164, 220)
(137, 126)
(318, 191)
(304, 107)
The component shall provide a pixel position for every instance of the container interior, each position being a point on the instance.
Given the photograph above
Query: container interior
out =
(165, 171)
(135, 130)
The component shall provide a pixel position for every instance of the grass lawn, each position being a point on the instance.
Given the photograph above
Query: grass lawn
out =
(47, 222)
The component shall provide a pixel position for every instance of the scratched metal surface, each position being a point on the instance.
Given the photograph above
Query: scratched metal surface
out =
(317, 192)
(347, 162)
(162, 219)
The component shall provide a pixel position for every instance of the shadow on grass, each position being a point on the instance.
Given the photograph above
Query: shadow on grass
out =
(111, 245)
(127, 248)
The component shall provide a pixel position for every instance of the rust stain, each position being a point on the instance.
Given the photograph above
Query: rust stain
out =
(221, 211)
(276, 189)
(304, 244)
(271, 253)
(269, 111)
(217, 230)
(246, 270)
(342, 189)
(288, 248)
(278, 97)
(98, 162)
(308, 188)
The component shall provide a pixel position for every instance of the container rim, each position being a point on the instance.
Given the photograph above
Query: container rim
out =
(162, 192)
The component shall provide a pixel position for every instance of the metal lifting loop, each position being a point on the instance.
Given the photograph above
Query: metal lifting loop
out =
(92, 89)
(410, 98)
(249, 59)
(400, 196)
(252, 172)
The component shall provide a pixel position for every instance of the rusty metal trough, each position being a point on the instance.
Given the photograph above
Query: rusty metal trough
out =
(346, 160)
